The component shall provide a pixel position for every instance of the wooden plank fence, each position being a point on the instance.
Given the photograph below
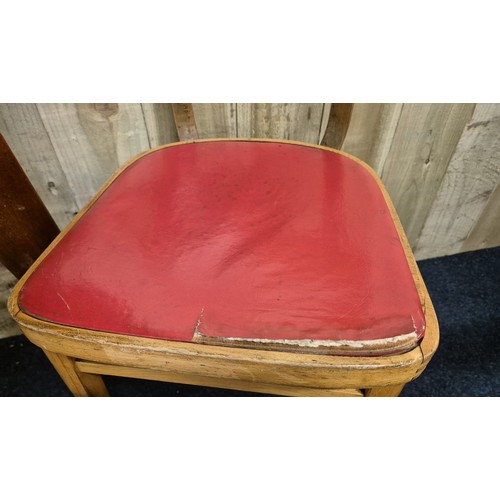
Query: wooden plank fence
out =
(439, 162)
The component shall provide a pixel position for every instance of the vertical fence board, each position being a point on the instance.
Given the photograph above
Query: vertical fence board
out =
(215, 120)
(295, 122)
(116, 132)
(424, 141)
(25, 133)
(160, 124)
(93, 140)
(371, 131)
(244, 120)
(472, 175)
(84, 171)
(486, 230)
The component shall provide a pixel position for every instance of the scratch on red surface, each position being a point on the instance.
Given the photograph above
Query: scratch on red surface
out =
(62, 298)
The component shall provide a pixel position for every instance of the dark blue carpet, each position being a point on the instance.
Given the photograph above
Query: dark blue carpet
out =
(464, 288)
(465, 291)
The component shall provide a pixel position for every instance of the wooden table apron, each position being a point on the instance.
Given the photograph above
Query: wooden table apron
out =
(246, 364)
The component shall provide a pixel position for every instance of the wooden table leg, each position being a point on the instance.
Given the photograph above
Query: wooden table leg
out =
(387, 391)
(80, 384)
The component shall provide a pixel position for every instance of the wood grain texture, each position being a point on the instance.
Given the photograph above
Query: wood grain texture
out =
(486, 230)
(261, 368)
(390, 391)
(233, 384)
(338, 123)
(79, 383)
(185, 122)
(26, 226)
(160, 124)
(471, 178)
(92, 140)
(215, 120)
(25, 133)
(296, 122)
(425, 138)
(256, 366)
(371, 131)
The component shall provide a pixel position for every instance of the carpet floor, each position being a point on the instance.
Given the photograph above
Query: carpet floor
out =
(464, 288)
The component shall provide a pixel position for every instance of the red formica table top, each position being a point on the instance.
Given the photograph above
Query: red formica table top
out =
(266, 244)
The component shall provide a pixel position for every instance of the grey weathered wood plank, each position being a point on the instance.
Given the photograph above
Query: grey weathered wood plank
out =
(486, 230)
(425, 138)
(92, 140)
(25, 133)
(160, 124)
(371, 131)
(116, 132)
(295, 122)
(470, 179)
(215, 120)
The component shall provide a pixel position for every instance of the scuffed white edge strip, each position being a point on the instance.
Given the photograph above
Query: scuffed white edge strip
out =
(405, 338)
(402, 340)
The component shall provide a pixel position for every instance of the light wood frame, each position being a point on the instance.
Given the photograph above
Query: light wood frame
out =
(81, 356)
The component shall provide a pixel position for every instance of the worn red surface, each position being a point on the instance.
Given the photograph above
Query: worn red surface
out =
(245, 239)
